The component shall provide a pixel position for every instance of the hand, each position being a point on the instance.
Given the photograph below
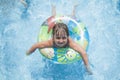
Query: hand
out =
(28, 53)
(89, 70)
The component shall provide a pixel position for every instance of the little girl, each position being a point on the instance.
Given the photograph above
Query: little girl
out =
(61, 39)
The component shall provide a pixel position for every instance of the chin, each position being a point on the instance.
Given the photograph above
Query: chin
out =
(62, 46)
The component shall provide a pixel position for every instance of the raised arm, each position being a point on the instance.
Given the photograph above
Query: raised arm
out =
(40, 45)
(79, 49)
(82, 52)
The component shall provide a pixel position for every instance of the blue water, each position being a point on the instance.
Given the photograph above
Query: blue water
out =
(19, 28)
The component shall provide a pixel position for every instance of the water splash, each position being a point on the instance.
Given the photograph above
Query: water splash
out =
(19, 27)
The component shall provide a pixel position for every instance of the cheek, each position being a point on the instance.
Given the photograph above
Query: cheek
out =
(55, 40)
(65, 41)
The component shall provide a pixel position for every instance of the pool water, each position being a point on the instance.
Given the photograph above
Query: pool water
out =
(19, 28)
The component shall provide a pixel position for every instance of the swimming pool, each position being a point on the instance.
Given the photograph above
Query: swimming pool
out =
(19, 28)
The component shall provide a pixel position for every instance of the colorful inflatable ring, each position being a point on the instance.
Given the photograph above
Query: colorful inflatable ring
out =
(78, 33)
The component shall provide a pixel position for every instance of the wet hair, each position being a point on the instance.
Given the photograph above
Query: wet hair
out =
(60, 27)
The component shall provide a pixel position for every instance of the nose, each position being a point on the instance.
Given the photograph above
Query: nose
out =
(61, 40)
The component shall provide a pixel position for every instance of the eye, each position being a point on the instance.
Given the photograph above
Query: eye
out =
(64, 37)
(57, 37)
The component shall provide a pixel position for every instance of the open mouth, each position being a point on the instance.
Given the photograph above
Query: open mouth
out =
(61, 45)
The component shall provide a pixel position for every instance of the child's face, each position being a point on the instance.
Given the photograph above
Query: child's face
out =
(60, 38)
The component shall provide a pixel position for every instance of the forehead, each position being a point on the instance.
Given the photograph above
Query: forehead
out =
(61, 32)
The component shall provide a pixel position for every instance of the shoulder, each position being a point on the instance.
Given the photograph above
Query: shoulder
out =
(50, 42)
(70, 40)
(44, 44)
(72, 43)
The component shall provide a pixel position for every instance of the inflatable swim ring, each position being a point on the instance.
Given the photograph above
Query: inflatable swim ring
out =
(78, 33)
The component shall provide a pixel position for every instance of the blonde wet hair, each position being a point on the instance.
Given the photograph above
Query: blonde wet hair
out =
(60, 28)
